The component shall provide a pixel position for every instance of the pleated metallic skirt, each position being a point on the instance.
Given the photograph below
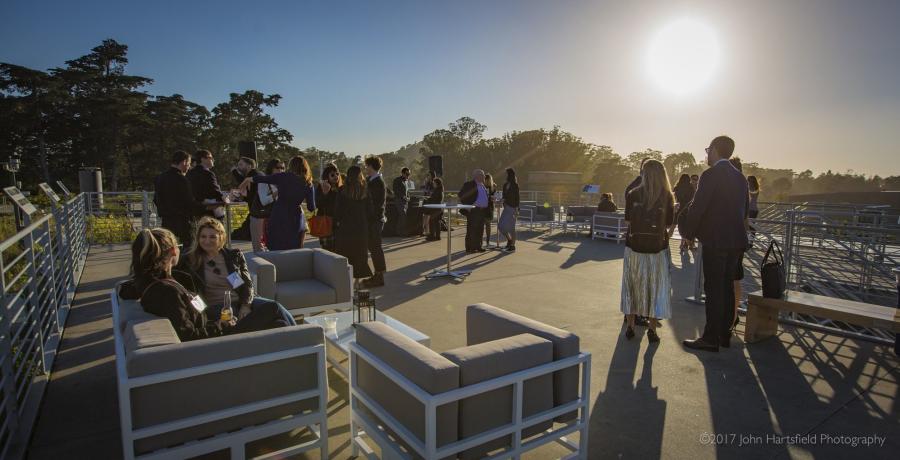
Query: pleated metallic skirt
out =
(646, 285)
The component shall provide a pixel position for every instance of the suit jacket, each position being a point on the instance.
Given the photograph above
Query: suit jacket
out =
(719, 208)
(204, 184)
(377, 191)
(173, 197)
(468, 193)
(399, 187)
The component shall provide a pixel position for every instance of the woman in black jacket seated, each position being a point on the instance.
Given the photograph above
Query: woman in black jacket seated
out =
(154, 253)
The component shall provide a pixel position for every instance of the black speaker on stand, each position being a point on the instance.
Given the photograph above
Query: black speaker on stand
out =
(436, 164)
(247, 149)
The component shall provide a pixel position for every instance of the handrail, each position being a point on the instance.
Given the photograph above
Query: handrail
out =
(40, 268)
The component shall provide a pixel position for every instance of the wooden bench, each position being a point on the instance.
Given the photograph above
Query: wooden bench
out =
(762, 313)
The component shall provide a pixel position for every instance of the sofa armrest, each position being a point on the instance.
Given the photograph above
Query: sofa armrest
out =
(334, 270)
(265, 275)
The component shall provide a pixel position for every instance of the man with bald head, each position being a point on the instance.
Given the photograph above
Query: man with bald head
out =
(475, 193)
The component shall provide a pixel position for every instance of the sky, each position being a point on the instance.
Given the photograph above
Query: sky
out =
(801, 84)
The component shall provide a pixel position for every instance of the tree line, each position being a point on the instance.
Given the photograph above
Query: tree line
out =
(91, 112)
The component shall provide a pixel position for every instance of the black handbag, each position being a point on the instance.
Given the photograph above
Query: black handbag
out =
(772, 273)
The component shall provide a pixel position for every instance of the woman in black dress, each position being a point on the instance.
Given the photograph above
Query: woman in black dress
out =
(434, 215)
(326, 195)
(353, 211)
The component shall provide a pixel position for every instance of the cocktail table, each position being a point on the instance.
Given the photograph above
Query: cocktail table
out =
(458, 275)
(338, 339)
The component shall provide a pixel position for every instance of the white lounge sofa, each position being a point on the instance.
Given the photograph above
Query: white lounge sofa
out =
(179, 400)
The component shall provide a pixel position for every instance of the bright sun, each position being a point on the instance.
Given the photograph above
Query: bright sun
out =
(683, 57)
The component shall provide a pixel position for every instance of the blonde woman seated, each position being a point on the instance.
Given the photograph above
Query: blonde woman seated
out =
(214, 271)
(646, 285)
(154, 254)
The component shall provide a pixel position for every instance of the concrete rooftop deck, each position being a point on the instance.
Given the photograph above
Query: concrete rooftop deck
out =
(649, 401)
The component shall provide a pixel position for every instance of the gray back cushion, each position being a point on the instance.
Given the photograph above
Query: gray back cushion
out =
(290, 264)
(131, 310)
(488, 360)
(430, 371)
(485, 322)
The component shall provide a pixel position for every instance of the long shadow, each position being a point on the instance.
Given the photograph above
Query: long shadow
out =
(833, 379)
(628, 418)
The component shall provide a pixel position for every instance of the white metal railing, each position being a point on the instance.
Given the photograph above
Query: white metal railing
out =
(851, 261)
(39, 270)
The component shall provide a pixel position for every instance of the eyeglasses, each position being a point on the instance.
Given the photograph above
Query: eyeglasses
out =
(707, 150)
(213, 265)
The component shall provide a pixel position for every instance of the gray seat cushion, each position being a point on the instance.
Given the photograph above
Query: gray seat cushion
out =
(430, 371)
(304, 293)
(488, 360)
(145, 333)
(485, 322)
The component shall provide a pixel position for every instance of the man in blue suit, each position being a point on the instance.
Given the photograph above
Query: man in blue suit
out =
(718, 217)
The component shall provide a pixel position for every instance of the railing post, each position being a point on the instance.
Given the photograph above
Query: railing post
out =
(9, 401)
(228, 225)
(33, 287)
(145, 210)
(698, 276)
(789, 246)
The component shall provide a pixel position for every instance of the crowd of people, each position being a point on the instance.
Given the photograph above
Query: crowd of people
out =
(714, 207)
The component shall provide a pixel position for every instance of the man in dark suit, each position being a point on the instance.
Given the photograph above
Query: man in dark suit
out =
(718, 216)
(174, 200)
(475, 193)
(203, 180)
(401, 200)
(378, 194)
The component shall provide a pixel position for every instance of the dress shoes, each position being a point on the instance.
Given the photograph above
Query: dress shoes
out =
(700, 344)
(376, 280)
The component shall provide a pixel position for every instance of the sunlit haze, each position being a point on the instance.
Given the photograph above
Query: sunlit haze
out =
(804, 84)
(683, 56)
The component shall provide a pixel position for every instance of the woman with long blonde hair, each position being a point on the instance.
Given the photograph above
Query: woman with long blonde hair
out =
(287, 225)
(646, 283)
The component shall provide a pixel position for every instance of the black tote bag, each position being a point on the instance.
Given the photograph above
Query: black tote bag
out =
(772, 272)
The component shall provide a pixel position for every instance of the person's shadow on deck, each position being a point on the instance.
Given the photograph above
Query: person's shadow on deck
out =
(628, 418)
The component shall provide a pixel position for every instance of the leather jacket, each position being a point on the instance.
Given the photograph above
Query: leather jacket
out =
(234, 262)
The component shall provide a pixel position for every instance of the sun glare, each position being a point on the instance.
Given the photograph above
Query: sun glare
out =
(683, 57)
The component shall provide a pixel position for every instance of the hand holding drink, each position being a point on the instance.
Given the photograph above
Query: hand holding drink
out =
(227, 313)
